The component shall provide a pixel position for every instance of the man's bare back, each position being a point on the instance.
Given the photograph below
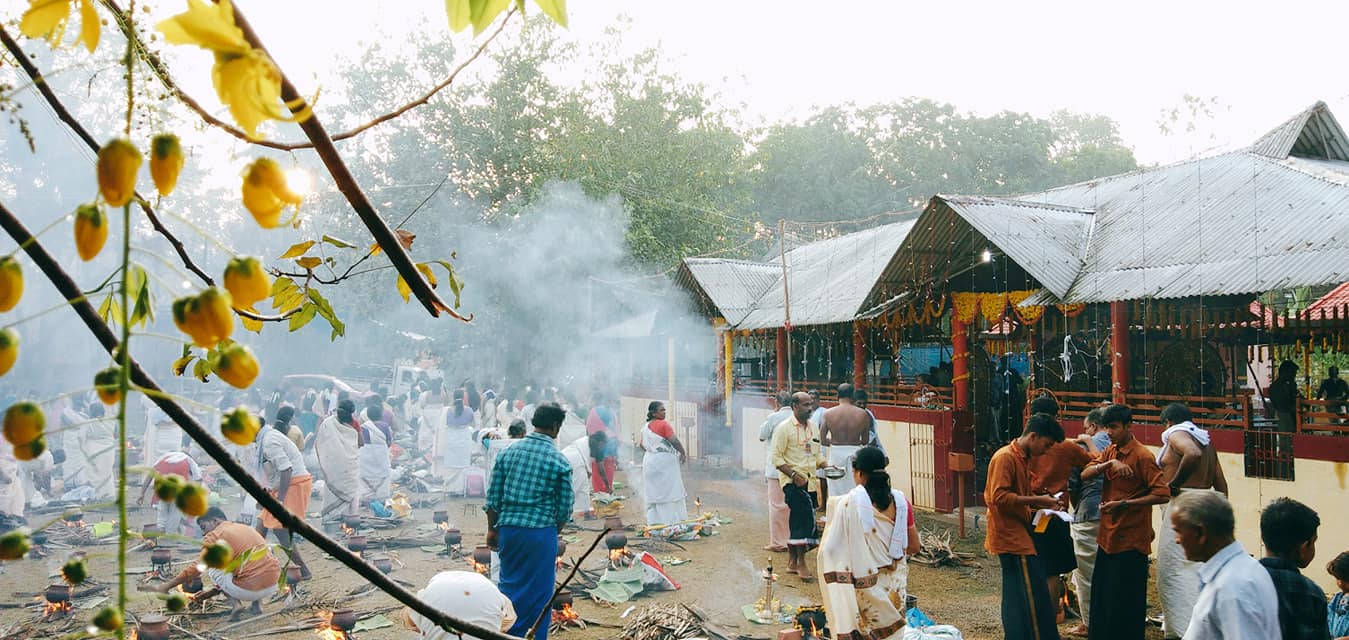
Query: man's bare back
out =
(846, 424)
(1204, 473)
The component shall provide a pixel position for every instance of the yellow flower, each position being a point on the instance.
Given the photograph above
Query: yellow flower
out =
(118, 162)
(47, 19)
(246, 282)
(266, 193)
(166, 160)
(245, 79)
(11, 283)
(91, 231)
(207, 25)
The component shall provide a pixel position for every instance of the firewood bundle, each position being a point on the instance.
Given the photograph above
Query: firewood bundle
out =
(936, 550)
(664, 622)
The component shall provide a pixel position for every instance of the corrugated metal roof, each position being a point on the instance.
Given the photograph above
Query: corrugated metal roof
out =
(1045, 239)
(828, 281)
(732, 286)
(1314, 133)
(1249, 221)
(1337, 298)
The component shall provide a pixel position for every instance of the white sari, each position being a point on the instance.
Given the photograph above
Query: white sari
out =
(98, 446)
(662, 485)
(578, 455)
(336, 445)
(374, 464)
(862, 570)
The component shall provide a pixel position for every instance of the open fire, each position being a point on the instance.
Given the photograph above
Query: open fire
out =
(56, 601)
(336, 625)
(566, 616)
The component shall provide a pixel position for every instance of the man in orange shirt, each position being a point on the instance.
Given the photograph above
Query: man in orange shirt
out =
(1027, 611)
(1133, 483)
(252, 581)
(1049, 475)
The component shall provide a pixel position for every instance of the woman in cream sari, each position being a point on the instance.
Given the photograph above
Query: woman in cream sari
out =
(862, 566)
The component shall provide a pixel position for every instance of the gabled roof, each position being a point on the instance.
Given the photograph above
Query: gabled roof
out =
(731, 286)
(827, 281)
(1263, 218)
(1337, 298)
(1314, 133)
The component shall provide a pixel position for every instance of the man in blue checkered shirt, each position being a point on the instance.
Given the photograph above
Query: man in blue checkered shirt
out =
(528, 501)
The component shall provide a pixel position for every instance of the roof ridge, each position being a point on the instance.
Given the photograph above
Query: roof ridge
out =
(1016, 202)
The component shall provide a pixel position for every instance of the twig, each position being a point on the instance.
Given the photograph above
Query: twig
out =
(194, 635)
(346, 183)
(576, 564)
(66, 287)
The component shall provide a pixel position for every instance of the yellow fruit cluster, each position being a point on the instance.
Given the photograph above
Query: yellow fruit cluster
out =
(240, 426)
(25, 427)
(246, 281)
(237, 366)
(266, 193)
(206, 317)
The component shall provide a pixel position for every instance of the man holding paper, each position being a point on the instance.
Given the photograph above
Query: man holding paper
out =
(1133, 483)
(1053, 539)
(1027, 611)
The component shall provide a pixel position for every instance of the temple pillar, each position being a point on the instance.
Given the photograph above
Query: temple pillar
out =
(859, 354)
(1119, 350)
(960, 363)
(782, 360)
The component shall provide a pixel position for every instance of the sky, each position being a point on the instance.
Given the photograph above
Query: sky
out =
(1259, 63)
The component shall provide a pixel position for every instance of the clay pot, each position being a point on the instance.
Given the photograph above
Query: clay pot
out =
(193, 587)
(151, 528)
(613, 522)
(57, 593)
(356, 543)
(789, 634)
(153, 627)
(616, 540)
(482, 554)
(352, 522)
(562, 600)
(453, 537)
(74, 516)
(39, 537)
(561, 546)
(343, 619)
(384, 565)
(293, 574)
(161, 556)
(440, 517)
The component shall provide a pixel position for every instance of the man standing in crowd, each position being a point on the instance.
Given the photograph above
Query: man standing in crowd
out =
(777, 505)
(1133, 483)
(529, 500)
(1334, 390)
(1288, 530)
(1049, 475)
(1189, 462)
(1237, 597)
(796, 456)
(1027, 611)
(1087, 519)
(288, 478)
(843, 430)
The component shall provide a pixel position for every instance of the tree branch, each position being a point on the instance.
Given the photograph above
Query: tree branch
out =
(86, 312)
(346, 183)
(161, 71)
(64, 116)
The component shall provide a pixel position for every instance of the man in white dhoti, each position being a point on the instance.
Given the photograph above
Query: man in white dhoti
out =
(73, 419)
(162, 435)
(335, 444)
(98, 447)
(863, 567)
(843, 430)
(373, 456)
(434, 404)
(1189, 463)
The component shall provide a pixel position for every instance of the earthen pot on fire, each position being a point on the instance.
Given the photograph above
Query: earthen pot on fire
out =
(161, 556)
(343, 619)
(453, 537)
(563, 599)
(153, 627)
(356, 543)
(384, 565)
(616, 540)
(57, 593)
(352, 522)
(193, 587)
(482, 554)
(74, 516)
(293, 574)
(440, 517)
(561, 546)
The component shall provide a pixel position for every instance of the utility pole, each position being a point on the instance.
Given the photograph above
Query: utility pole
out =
(786, 297)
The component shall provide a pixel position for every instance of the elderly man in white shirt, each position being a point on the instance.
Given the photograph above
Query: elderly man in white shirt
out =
(1236, 597)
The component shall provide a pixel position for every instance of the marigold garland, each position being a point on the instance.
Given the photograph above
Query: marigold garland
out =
(1071, 310)
(1029, 314)
(964, 306)
(992, 306)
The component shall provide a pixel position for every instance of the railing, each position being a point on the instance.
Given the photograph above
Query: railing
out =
(1222, 412)
(895, 394)
(1322, 415)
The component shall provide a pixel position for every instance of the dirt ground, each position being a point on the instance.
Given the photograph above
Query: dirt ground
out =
(722, 575)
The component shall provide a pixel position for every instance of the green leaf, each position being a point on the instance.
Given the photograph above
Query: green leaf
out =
(485, 11)
(202, 370)
(303, 317)
(138, 290)
(326, 310)
(339, 243)
(459, 13)
(286, 295)
(556, 9)
(297, 250)
(456, 284)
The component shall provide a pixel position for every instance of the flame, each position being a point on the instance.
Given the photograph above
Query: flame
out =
(565, 615)
(347, 530)
(78, 524)
(325, 628)
(814, 631)
(444, 526)
(132, 635)
(52, 608)
(620, 557)
(484, 569)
